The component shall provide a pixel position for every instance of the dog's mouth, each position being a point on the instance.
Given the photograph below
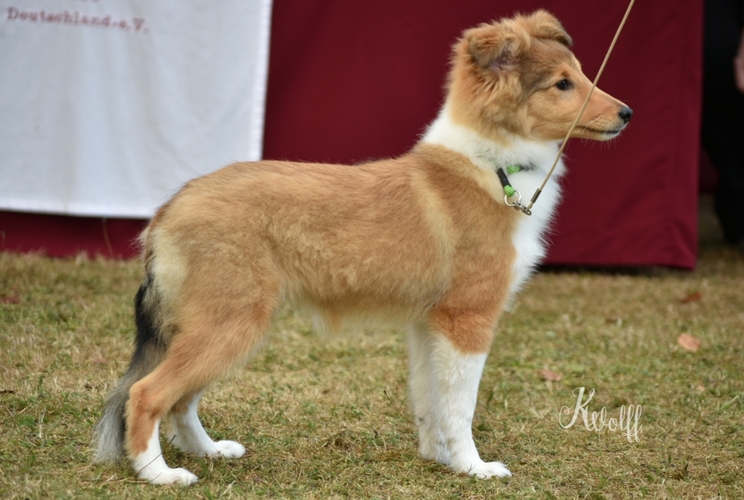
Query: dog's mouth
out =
(609, 133)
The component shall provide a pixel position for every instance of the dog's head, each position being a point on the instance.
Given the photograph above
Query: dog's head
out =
(519, 76)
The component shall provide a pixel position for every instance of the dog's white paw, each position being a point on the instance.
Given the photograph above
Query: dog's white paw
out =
(428, 451)
(435, 452)
(227, 449)
(484, 470)
(429, 446)
(178, 476)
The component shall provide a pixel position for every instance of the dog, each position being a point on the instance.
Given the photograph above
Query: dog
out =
(426, 240)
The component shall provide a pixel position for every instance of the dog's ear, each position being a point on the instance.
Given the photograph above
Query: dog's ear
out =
(493, 46)
(543, 24)
(498, 46)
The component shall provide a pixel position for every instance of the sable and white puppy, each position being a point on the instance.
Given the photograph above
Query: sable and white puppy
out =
(425, 239)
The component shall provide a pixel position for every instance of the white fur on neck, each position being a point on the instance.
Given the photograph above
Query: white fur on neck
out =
(528, 238)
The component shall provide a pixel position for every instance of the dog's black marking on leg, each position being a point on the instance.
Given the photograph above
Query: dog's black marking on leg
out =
(148, 333)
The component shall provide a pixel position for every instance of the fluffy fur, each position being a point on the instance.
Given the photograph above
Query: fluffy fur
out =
(425, 239)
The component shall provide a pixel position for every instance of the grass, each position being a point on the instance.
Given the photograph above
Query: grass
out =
(328, 418)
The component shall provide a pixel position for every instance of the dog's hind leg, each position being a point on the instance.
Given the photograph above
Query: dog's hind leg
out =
(204, 349)
(150, 464)
(424, 397)
(185, 432)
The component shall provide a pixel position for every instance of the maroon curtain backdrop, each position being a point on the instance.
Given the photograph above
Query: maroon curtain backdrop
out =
(353, 81)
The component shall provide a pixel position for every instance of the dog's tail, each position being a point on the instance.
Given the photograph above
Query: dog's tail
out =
(150, 345)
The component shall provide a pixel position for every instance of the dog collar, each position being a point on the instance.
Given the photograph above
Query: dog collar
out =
(509, 191)
(511, 169)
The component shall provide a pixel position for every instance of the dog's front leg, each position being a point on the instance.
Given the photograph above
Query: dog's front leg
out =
(456, 378)
(424, 395)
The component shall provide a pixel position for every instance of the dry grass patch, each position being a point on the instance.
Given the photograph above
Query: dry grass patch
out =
(328, 418)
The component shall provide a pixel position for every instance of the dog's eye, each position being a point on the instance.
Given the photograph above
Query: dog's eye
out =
(563, 84)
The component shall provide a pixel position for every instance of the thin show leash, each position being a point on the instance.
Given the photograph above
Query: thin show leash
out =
(509, 191)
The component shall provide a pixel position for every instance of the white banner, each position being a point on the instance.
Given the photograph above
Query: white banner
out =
(107, 107)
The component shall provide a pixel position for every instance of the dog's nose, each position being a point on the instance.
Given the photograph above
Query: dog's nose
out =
(625, 114)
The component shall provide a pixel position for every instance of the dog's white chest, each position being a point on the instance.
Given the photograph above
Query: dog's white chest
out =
(528, 237)
(529, 242)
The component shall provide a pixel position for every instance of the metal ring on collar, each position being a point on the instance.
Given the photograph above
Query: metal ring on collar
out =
(517, 203)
